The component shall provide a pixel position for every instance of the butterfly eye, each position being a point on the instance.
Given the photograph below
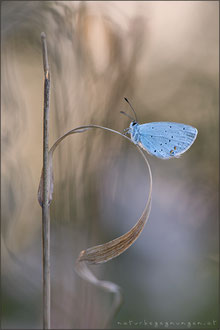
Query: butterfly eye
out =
(133, 123)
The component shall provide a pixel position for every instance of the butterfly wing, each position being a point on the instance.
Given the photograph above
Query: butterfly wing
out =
(166, 139)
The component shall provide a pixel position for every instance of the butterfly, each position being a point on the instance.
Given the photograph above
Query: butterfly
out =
(161, 139)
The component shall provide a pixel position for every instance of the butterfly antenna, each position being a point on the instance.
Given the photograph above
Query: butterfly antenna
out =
(124, 113)
(131, 108)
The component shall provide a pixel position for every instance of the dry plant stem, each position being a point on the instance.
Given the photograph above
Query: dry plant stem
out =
(107, 251)
(46, 187)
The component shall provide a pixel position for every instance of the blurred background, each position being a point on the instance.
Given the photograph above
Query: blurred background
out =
(164, 57)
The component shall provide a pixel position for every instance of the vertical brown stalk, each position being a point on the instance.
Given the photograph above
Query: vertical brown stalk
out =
(46, 187)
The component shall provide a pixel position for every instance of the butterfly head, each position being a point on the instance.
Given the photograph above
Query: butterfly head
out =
(133, 123)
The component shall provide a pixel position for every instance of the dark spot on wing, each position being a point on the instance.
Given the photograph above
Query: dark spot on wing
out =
(183, 128)
(174, 147)
(172, 137)
(170, 126)
(171, 152)
(169, 140)
(155, 150)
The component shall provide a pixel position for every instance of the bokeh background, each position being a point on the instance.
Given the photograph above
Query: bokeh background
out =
(163, 56)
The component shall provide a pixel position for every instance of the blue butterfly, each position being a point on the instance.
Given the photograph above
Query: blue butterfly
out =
(161, 139)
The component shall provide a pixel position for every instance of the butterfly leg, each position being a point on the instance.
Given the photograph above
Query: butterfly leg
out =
(125, 131)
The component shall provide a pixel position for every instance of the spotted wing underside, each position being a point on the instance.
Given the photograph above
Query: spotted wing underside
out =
(166, 139)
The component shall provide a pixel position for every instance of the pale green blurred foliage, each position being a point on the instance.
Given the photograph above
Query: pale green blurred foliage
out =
(163, 56)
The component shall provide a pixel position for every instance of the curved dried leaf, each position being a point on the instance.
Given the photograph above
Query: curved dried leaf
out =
(105, 252)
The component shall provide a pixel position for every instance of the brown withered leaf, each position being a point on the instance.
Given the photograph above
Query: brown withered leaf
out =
(104, 252)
